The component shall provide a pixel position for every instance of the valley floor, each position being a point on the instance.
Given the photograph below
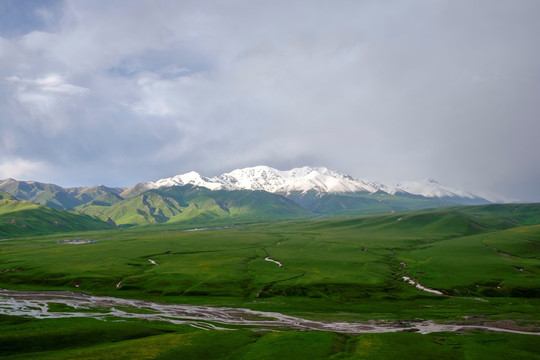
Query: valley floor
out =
(45, 304)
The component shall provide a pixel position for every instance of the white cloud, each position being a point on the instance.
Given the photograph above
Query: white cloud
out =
(159, 96)
(24, 169)
(46, 99)
(42, 96)
(436, 89)
(50, 84)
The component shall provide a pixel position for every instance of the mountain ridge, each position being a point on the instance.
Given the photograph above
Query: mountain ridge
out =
(317, 190)
(26, 218)
(305, 179)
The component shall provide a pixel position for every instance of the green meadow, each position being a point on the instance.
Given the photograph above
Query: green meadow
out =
(484, 259)
(55, 339)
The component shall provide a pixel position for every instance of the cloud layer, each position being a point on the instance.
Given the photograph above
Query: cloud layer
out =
(97, 92)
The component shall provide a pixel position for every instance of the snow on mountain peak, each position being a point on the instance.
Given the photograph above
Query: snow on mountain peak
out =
(272, 180)
(301, 179)
(192, 178)
(429, 188)
(304, 179)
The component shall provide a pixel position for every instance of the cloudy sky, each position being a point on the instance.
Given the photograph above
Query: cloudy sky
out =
(118, 92)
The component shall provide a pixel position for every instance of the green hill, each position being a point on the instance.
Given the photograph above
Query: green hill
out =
(137, 206)
(23, 218)
(97, 194)
(57, 197)
(197, 205)
(362, 203)
(49, 195)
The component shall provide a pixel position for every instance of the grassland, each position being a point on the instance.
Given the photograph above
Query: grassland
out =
(485, 259)
(93, 339)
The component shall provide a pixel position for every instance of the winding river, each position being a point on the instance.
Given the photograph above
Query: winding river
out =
(37, 304)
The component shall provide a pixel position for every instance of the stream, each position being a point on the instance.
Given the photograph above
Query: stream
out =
(36, 304)
(274, 261)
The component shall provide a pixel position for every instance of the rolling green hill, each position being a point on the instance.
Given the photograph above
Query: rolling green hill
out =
(98, 194)
(57, 197)
(362, 203)
(137, 206)
(24, 218)
(197, 205)
(49, 195)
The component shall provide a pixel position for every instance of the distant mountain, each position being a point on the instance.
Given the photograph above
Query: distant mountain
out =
(267, 179)
(96, 193)
(49, 195)
(319, 180)
(362, 203)
(189, 203)
(57, 197)
(259, 192)
(23, 218)
(430, 188)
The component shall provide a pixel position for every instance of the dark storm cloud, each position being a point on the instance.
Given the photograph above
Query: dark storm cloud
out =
(111, 94)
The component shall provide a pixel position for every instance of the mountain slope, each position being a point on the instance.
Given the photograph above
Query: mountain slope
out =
(259, 192)
(319, 181)
(22, 218)
(50, 195)
(99, 193)
(57, 197)
(197, 204)
(362, 203)
(430, 188)
(267, 179)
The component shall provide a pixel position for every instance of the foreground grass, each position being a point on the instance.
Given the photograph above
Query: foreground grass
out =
(94, 339)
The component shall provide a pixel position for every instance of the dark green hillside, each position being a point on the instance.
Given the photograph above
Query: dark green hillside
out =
(98, 194)
(449, 221)
(503, 216)
(105, 199)
(49, 195)
(197, 205)
(23, 218)
(497, 264)
(362, 203)
(150, 208)
(57, 197)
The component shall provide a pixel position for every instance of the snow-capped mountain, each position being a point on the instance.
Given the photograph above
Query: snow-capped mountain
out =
(304, 179)
(429, 188)
(271, 180)
(191, 178)
(301, 179)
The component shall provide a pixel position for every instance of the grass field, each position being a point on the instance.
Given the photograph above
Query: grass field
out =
(485, 259)
(94, 339)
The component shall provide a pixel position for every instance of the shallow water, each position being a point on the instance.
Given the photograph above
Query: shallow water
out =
(36, 304)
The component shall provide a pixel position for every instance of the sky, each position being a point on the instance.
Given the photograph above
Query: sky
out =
(115, 92)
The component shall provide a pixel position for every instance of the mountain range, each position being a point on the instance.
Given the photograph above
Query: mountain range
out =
(305, 179)
(25, 218)
(250, 193)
